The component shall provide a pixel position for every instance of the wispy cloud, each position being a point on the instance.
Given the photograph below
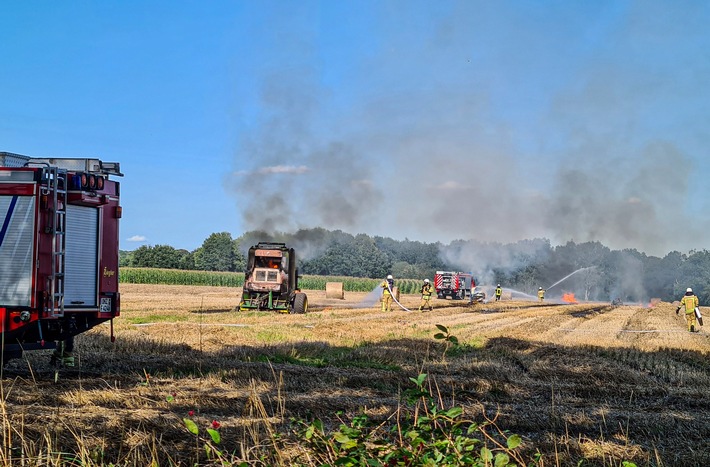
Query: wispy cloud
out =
(283, 169)
(137, 238)
(451, 185)
(275, 169)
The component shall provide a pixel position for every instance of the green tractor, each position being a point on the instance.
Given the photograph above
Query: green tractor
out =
(271, 280)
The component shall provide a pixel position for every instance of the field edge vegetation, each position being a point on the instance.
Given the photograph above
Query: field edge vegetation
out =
(130, 275)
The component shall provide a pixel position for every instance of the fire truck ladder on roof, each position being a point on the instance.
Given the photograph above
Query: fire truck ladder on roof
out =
(57, 190)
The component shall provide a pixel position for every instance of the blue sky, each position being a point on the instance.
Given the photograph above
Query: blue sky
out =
(496, 121)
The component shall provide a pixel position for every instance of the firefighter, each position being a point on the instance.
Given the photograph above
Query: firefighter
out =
(426, 296)
(540, 294)
(498, 293)
(387, 286)
(689, 302)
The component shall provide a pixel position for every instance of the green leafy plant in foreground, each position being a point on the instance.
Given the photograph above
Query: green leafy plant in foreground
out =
(425, 434)
(210, 444)
(447, 337)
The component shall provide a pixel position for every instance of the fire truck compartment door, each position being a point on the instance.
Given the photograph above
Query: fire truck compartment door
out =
(81, 260)
(17, 226)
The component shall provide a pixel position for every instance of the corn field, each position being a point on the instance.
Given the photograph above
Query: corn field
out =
(236, 279)
(180, 277)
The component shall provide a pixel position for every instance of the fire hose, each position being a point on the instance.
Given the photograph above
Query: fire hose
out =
(395, 298)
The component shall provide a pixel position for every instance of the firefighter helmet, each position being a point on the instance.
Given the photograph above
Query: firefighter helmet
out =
(426, 281)
(539, 288)
(389, 276)
(498, 285)
(688, 290)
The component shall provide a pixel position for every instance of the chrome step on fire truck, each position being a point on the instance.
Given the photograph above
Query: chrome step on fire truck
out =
(58, 249)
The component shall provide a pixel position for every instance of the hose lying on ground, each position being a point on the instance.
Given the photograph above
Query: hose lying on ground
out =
(395, 298)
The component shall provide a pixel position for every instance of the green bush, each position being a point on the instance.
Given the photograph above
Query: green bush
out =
(424, 434)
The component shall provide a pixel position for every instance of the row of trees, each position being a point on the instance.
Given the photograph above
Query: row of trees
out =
(589, 270)
(219, 252)
(320, 252)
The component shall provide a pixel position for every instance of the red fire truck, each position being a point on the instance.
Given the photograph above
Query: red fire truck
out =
(58, 249)
(455, 285)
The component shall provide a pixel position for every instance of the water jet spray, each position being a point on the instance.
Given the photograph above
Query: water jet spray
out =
(569, 275)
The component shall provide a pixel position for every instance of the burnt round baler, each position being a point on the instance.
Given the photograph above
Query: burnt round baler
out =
(271, 280)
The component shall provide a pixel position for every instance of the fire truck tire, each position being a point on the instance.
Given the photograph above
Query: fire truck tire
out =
(300, 303)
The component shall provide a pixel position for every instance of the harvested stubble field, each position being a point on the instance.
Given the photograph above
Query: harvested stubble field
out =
(584, 382)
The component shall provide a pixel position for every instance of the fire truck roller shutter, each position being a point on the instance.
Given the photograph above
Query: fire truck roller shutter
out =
(82, 246)
(16, 242)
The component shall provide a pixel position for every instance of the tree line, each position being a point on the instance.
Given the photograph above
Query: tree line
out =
(590, 270)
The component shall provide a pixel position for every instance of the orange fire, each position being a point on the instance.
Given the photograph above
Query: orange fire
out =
(569, 298)
(654, 302)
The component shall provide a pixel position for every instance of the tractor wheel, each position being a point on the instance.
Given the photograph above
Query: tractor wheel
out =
(300, 304)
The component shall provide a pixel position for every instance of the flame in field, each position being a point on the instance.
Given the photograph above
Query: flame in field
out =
(569, 298)
(654, 302)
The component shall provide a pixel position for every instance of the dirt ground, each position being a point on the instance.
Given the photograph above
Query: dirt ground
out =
(583, 382)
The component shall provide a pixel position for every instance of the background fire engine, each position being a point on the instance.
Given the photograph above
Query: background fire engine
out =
(454, 285)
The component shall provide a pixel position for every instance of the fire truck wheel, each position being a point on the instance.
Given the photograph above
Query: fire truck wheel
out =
(300, 303)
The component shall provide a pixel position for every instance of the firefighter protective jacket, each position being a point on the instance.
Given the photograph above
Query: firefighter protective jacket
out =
(426, 290)
(690, 302)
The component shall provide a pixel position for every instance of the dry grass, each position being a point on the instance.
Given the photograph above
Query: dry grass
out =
(582, 381)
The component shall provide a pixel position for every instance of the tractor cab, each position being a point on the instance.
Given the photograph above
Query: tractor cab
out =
(268, 273)
(271, 280)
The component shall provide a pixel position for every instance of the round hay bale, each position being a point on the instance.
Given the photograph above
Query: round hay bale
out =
(334, 290)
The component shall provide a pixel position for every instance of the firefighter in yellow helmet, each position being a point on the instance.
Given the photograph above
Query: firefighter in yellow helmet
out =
(540, 294)
(689, 302)
(498, 292)
(426, 296)
(387, 286)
